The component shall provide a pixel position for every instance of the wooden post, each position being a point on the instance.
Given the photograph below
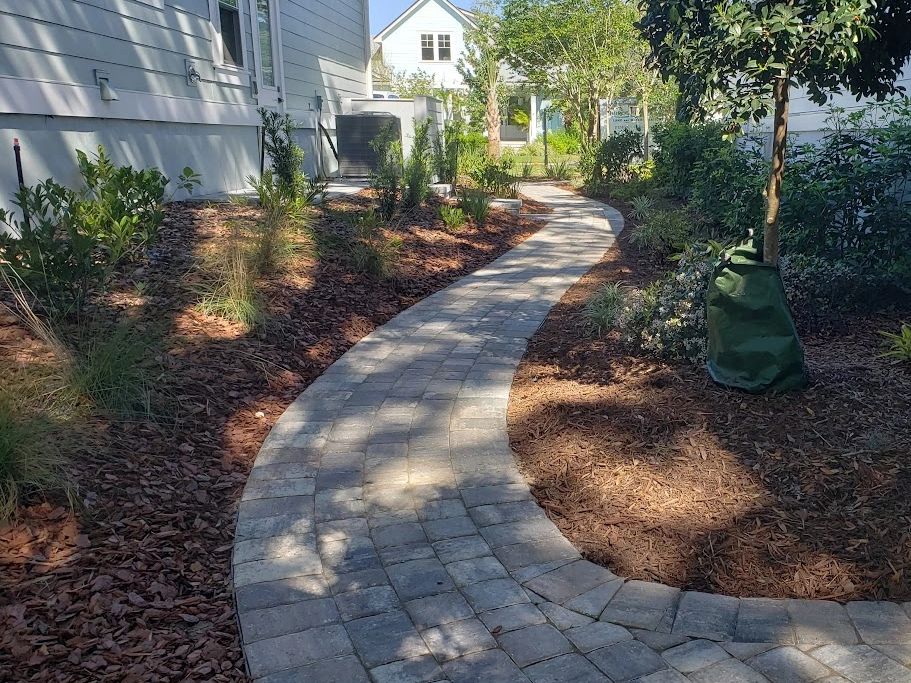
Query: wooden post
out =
(773, 192)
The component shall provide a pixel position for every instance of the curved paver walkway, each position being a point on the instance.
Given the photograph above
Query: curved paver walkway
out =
(386, 535)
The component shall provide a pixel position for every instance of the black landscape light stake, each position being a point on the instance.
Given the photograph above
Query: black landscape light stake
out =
(20, 176)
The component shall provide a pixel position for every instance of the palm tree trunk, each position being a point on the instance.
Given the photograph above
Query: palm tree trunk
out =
(773, 192)
(492, 115)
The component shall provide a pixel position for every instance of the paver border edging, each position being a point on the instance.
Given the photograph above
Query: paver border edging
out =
(385, 527)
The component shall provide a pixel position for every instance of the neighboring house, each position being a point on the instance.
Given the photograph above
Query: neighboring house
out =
(172, 83)
(429, 37)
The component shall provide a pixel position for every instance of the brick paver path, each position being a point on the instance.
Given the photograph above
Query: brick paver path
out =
(386, 535)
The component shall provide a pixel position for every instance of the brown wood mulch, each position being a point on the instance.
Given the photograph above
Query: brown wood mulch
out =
(135, 585)
(657, 473)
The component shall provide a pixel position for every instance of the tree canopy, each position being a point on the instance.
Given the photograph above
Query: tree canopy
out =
(738, 59)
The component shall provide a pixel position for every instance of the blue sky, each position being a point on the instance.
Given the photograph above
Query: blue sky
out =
(384, 11)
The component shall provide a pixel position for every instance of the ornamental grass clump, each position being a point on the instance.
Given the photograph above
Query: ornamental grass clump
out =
(603, 310)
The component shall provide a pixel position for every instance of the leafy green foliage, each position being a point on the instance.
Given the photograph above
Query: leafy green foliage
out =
(566, 141)
(495, 177)
(603, 310)
(899, 344)
(418, 171)
(278, 139)
(387, 178)
(559, 171)
(446, 152)
(371, 252)
(110, 369)
(453, 217)
(642, 206)
(665, 232)
(231, 293)
(30, 460)
(612, 159)
(680, 147)
(476, 204)
(72, 241)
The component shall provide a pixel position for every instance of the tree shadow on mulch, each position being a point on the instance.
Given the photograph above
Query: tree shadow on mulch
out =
(656, 472)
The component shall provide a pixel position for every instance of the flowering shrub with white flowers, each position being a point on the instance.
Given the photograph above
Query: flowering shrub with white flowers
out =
(667, 319)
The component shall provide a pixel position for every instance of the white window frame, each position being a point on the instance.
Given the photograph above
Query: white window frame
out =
(448, 37)
(218, 46)
(268, 95)
(432, 46)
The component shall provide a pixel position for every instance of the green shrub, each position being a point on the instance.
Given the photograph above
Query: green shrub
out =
(109, 368)
(665, 232)
(495, 177)
(371, 252)
(417, 173)
(30, 460)
(387, 178)
(566, 141)
(642, 206)
(559, 171)
(603, 310)
(278, 140)
(899, 344)
(453, 217)
(532, 149)
(527, 170)
(446, 152)
(611, 159)
(282, 215)
(819, 288)
(476, 204)
(231, 294)
(679, 147)
(727, 189)
(73, 241)
(627, 191)
(667, 319)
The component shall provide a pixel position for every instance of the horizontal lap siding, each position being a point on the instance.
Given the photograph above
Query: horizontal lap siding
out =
(324, 49)
(141, 45)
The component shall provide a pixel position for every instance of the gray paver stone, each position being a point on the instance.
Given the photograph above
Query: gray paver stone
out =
(593, 602)
(821, 621)
(597, 634)
(704, 615)
(296, 649)
(366, 602)
(862, 664)
(658, 641)
(534, 644)
(438, 609)
(728, 671)
(563, 618)
(641, 604)
(744, 651)
(385, 638)
(694, 655)
(283, 619)
(570, 580)
(900, 652)
(398, 534)
(762, 620)
(787, 665)
(419, 578)
(465, 572)
(346, 669)
(457, 639)
(489, 595)
(554, 549)
(416, 670)
(510, 618)
(490, 666)
(281, 592)
(626, 661)
(465, 548)
(664, 676)
(565, 668)
(880, 622)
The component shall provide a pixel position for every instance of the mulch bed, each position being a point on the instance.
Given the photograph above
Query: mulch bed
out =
(657, 473)
(134, 587)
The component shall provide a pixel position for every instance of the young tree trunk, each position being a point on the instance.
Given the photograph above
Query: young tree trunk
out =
(773, 191)
(492, 116)
(645, 136)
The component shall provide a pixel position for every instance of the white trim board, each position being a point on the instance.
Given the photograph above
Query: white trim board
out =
(27, 96)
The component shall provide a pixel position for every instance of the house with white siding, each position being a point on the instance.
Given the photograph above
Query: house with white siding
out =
(429, 37)
(173, 83)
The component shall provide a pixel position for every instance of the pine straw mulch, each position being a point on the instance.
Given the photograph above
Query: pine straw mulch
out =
(652, 470)
(134, 587)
